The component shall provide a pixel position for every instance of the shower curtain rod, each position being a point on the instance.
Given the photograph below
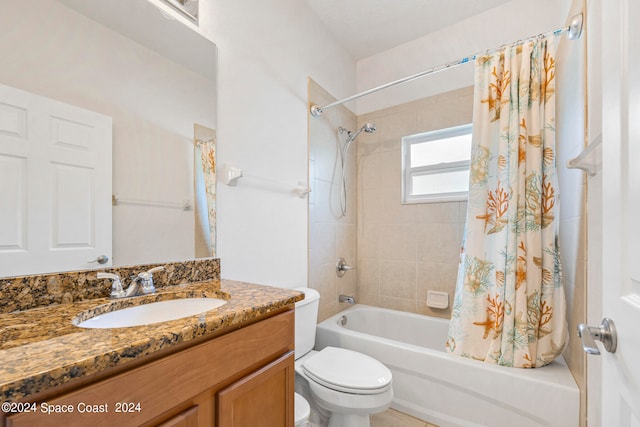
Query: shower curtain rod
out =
(574, 30)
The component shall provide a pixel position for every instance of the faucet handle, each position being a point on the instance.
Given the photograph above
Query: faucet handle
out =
(342, 267)
(146, 279)
(116, 285)
(155, 269)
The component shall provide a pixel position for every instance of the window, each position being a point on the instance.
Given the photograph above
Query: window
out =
(436, 165)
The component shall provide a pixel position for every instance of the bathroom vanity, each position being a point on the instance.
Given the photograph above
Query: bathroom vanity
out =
(232, 366)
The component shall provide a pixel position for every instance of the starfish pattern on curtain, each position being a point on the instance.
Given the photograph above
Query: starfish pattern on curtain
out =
(208, 159)
(509, 307)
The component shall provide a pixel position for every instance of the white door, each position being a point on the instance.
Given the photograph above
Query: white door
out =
(621, 206)
(55, 185)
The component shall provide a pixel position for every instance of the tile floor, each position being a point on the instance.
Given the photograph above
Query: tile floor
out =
(393, 418)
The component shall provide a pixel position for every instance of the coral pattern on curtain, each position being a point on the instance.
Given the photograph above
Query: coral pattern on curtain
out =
(509, 307)
(208, 158)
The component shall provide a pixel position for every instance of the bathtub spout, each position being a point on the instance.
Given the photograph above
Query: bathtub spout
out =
(347, 298)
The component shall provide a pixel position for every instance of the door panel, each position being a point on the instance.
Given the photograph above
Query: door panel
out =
(55, 171)
(13, 207)
(621, 203)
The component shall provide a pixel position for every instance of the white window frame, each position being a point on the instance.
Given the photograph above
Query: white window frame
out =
(408, 172)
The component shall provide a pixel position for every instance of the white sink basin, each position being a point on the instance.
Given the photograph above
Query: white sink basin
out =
(155, 312)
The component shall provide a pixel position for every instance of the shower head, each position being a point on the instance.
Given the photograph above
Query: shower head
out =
(368, 128)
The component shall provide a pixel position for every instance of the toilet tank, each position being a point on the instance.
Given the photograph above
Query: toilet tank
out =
(306, 318)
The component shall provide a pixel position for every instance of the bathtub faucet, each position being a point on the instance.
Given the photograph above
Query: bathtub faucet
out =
(347, 298)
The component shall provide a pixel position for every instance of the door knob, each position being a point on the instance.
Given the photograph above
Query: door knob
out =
(102, 259)
(605, 333)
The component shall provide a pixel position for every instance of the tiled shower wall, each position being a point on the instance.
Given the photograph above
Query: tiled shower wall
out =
(331, 236)
(405, 250)
(570, 141)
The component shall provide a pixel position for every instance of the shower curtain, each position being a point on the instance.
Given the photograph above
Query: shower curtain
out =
(208, 162)
(509, 307)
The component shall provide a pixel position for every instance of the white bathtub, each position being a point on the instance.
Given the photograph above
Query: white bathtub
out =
(449, 390)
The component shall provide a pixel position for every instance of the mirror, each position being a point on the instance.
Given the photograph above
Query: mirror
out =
(153, 75)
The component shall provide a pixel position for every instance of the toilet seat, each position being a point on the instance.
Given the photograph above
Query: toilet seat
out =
(347, 371)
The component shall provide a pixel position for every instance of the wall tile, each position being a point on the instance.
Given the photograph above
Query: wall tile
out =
(323, 279)
(325, 142)
(438, 212)
(369, 207)
(368, 240)
(396, 125)
(348, 284)
(441, 113)
(463, 211)
(438, 242)
(406, 249)
(369, 171)
(327, 310)
(398, 242)
(345, 238)
(368, 298)
(391, 208)
(398, 279)
(401, 304)
(390, 170)
(324, 242)
(440, 277)
(465, 106)
(322, 208)
(329, 232)
(368, 276)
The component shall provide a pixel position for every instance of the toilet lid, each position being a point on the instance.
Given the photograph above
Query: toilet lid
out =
(348, 371)
(302, 411)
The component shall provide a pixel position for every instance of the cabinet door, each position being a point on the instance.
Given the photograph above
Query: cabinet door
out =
(263, 398)
(188, 418)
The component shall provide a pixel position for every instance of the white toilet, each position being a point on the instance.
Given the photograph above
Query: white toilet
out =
(302, 411)
(343, 386)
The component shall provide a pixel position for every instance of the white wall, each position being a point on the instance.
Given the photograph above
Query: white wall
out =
(266, 51)
(503, 24)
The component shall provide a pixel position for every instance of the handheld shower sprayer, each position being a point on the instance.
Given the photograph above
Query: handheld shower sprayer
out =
(351, 136)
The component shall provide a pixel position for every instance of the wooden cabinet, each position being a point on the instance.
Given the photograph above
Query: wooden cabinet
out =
(261, 399)
(242, 378)
(188, 418)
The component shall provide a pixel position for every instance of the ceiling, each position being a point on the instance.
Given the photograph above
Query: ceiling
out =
(366, 27)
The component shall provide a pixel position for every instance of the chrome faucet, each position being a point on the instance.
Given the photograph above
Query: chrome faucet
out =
(140, 284)
(347, 298)
(116, 284)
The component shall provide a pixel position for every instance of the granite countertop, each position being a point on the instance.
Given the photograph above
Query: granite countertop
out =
(40, 348)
